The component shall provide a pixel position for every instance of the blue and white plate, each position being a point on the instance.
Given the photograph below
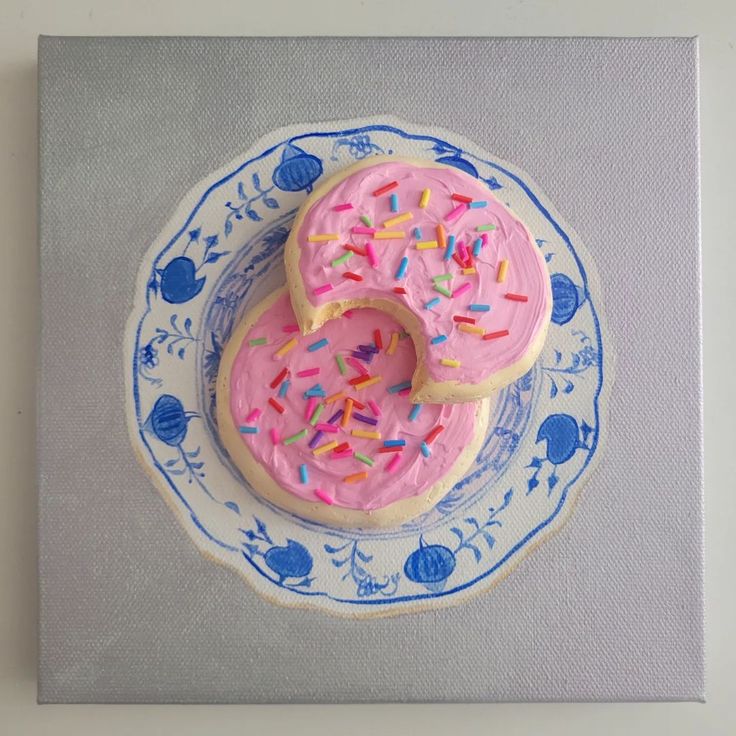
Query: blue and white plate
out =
(222, 253)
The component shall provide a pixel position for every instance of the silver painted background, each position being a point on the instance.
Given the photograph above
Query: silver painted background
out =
(609, 609)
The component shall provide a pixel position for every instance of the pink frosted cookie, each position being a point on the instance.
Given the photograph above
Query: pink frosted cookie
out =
(432, 246)
(323, 425)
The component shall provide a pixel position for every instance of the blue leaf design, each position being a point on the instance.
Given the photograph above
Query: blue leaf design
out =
(558, 357)
(256, 181)
(363, 556)
(553, 389)
(493, 183)
(232, 506)
(210, 241)
(252, 548)
(260, 525)
(228, 227)
(329, 548)
(552, 481)
(194, 234)
(532, 483)
(548, 257)
(215, 256)
(585, 430)
(458, 533)
(535, 463)
(339, 563)
(188, 325)
(253, 215)
(170, 463)
(180, 353)
(271, 203)
(476, 552)
(241, 191)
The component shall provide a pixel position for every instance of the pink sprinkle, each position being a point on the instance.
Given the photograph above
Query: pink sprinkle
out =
(307, 372)
(344, 453)
(342, 207)
(454, 214)
(405, 392)
(290, 328)
(310, 407)
(355, 363)
(253, 415)
(461, 289)
(372, 257)
(374, 408)
(274, 436)
(484, 239)
(323, 289)
(394, 462)
(348, 313)
(322, 496)
(360, 230)
(331, 428)
(462, 250)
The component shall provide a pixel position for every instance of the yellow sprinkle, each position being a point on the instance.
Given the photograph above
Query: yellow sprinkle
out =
(366, 435)
(469, 271)
(391, 349)
(368, 382)
(322, 238)
(403, 217)
(426, 244)
(386, 234)
(424, 199)
(474, 329)
(503, 267)
(335, 397)
(441, 236)
(325, 448)
(450, 362)
(285, 348)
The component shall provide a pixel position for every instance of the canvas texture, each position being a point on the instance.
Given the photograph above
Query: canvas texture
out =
(609, 609)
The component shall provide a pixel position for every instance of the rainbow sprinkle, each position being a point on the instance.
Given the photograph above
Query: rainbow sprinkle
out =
(290, 328)
(461, 290)
(258, 341)
(414, 413)
(425, 449)
(393, 463)
(248, 430)
(517, 297)
(478, 204)
(357, 230)
(424, 199)
(472, 329)
(399, 387)
(479, 307)
(401, 270)
(484, 228)
(494, 335)
(394, 443)
(477, 246)
(371, 253)
(274, 436)
(342, 259)
(284, 389)
(455, 213)
(426, 244)
(308, 372)
(469, 271)
(334, 397)
(324, 342)
(403, 217)
(347, 414)
(355, 477)
(285, 348)
(340, 364)
(385, 188)
(432, 303)
(393, 343)
(418, 233)
(394, 203)
(254, 415)
(389, 234)
(326, 427)
(295, 437)
(324, 497)
(323, 237)
(366, 220)
(275, 404)
(365, 434)
(450, 251)
(280, 377)
(303, 473)
(441, 235)
(322, 289)
(316, 414)
(364, 459)
(342, 207)
(503, 268)
(450, 362)
(437, 340)
(443, 291)
(324, 448)
(430, 438)
(368, 382)
(374, 407)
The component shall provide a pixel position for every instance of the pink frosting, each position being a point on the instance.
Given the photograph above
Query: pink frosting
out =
(255, 367)
(510, 240)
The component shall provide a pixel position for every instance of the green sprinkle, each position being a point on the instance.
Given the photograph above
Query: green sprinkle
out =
(342, 259)
(442, 290)
(442, 277)
(363, 458)
(484, 228)
(316, 414)
(259, 341)
(366, 220)
(295, 437)
(341, 364)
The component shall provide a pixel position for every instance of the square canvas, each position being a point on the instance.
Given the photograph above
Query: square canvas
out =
(566, 564)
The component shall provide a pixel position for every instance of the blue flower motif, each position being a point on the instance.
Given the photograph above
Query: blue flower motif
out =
(298, 170)
(168, 420)
(430, 565)
(148, 356)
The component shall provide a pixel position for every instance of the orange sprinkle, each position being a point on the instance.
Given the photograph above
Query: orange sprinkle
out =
(441, 236)
(356, 477)
(393, 344)
(348, 413)
(368, 382)
(473, 329)
(335, 397)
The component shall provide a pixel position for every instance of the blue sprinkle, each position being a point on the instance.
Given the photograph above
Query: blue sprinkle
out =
(477, 246)
(399, 387)
(477, 205)
(394, 202)
(394, 443)
(401, 271)
(417, 233)
(319, 344)
(437, 340)
(249, 430)
(450, 250)
(303, 474)
(414, 413)
(480, 307)
(432, 303)
(316, 390)
(425, 449)
(284, 388)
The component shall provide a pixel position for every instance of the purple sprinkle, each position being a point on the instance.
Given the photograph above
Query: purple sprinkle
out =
(315, 440)
(364, 418)
(335, 417)
(365, 357)
(368, 348)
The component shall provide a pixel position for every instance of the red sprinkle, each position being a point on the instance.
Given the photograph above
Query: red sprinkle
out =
(290, 328)
(358, 379)
(390, 449)
(433, 434)
(275, 404)
(352, 276)
(399, 290)
(276, 381)
(494, 335)
(386, 188)
(405, 391)
(458, 260)
(377, 339)
(459, 318)
(341, 447)
(358, 404)
(461, 198)
(517, 297)
(355, 249)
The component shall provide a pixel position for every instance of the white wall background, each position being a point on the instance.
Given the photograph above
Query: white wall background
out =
(22, 20)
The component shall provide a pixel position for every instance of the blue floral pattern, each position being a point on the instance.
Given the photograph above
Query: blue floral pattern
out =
(543, 434)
